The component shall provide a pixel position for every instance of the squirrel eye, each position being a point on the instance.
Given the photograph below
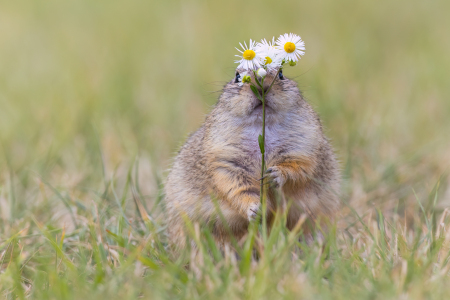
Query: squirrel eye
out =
(237, 77)
(280, 75)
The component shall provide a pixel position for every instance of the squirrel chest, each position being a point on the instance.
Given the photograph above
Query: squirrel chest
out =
(250, 143)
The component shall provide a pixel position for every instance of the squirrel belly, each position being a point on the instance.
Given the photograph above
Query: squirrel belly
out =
(219, 166)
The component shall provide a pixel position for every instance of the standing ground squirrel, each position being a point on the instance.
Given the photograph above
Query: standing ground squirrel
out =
(220, 164)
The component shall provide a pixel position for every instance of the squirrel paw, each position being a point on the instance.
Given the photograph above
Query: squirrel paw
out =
(253, 210)
(275, 176)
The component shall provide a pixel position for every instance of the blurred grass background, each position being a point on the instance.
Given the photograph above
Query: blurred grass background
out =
(92, 89)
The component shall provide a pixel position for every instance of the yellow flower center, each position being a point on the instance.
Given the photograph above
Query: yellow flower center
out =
(289, 47)
(249, 54)
(268, 61)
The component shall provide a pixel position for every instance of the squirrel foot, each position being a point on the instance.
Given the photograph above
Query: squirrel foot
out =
(275, 176)
(253, 211)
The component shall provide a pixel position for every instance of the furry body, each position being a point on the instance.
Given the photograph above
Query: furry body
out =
(222, 161)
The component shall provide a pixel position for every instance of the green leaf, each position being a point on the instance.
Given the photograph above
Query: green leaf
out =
(148, 262)
(118, 239)
(261, 143)
(256, 92)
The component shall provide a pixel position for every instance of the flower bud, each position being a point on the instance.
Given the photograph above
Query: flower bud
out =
(261, 72)
(246, 79)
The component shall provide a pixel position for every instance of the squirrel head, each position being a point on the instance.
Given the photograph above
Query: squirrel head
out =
(238, 101)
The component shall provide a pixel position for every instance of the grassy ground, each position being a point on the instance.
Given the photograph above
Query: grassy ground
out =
(96, 97)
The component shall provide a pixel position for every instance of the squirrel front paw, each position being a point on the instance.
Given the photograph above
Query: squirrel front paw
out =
(253, 211)
(275, 176)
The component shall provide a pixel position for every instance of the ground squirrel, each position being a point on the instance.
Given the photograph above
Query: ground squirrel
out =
(220, 164)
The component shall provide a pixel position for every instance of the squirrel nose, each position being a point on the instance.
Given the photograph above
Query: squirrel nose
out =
(266, 88)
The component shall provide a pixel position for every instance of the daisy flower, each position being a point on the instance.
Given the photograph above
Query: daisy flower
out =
(249, 60)
(290, 47)
(268, 53)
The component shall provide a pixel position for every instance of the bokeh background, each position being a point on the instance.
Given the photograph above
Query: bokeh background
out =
(83, 82)
(97, 96)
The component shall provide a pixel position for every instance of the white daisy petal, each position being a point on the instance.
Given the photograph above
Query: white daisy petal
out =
(290, 46)
(249, 58)
(267, 53)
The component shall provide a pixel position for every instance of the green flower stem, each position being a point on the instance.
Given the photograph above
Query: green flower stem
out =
(262, 141)
(262, 97)
(263, 164)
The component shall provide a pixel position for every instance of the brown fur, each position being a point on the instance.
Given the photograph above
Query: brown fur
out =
(221, 162)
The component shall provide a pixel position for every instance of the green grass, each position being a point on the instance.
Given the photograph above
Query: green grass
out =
(97, 96)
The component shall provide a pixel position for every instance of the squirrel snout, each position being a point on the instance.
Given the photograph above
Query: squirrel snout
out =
(265, 86)
(268, 80)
